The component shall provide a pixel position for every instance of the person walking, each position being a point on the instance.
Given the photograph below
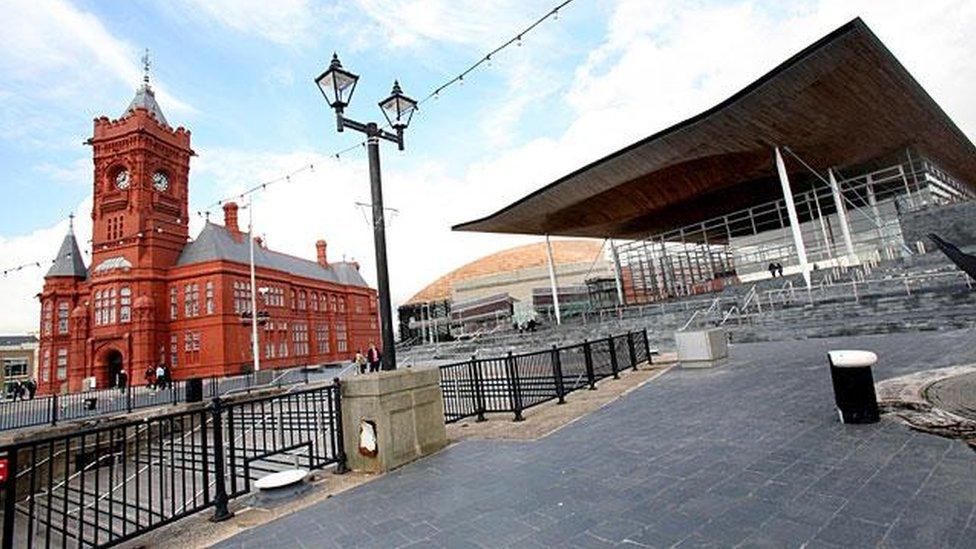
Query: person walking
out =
(160, 377)
(772, 270)
(779, 268)
(18, 390)
(151, 378)
(168, 375)
(31, 388)
(122, 380)
(374, 357)
(360, 361)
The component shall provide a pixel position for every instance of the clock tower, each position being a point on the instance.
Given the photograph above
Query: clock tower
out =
(140, 205)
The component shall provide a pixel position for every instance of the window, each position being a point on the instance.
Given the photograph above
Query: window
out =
(359, 305)
(322, 339)
(301, 300)
(242, 297)
(174, 348)
(125, 304)
(62, 364)
(275, 297)
(342, 304)
(14, 367)
(191, 347)
(332, 303)
(341, 343)
(173, 301)
(46, 366)
(46, 317)
(191, 299)
(105, 301)
(210, 297)
(63, 317)
(299, 336)
(111, 302)
(315, 301)
(293, 300)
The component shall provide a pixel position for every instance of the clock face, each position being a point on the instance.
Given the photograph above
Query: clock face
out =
(122, 180)
(160, 181)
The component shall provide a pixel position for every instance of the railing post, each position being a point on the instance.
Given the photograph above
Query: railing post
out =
(632, 351)
(588, 356)
(54, 408)
(10, 498)
(479, 405)
(613, 357)
(128, 397)
(513, 386)
(221, 512)
(557, 374)
(341, 467)
(647, 346)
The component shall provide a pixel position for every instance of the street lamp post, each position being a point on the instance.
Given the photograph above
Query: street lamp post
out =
(337, 86)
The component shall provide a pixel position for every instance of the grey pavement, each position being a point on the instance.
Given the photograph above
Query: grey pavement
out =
(749, 454)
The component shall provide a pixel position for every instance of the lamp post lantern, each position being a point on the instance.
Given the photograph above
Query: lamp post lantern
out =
(337, 86)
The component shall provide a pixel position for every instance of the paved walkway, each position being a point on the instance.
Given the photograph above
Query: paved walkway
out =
(749, 454)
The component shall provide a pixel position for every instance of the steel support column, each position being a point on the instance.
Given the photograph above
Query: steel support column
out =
(617, 274)
(801, 250)
(552, 281)
(845, 227)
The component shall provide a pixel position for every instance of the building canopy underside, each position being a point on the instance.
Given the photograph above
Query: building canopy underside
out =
(842, 101)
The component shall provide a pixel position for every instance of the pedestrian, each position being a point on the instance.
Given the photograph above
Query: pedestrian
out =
(772, 270)
(779, 267)
(160, 377)
(18, 390)
(151, 377)
(122, 380)
(360, 361)
(168, 375)
(373, 357)
(31, 388)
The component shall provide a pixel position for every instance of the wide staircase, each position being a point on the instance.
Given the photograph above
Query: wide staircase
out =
(920, 292)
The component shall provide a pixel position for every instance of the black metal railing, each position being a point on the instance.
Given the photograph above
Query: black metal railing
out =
(105, 485)
(514, 383)
(51, 409)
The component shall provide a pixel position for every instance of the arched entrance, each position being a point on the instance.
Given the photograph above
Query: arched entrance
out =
(113, 361)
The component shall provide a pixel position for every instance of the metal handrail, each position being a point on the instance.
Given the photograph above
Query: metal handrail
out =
(733, 309)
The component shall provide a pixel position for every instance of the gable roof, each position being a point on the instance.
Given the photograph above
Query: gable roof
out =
(215, 242)
(68, 261)
(16, 340)
(842, 101)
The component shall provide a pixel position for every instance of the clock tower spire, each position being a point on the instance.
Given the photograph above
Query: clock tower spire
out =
(142, 165)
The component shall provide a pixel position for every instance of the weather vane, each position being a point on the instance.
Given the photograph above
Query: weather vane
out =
(146, 63)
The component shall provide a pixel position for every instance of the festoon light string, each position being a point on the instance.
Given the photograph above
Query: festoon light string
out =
(485, 60)
(435, 93)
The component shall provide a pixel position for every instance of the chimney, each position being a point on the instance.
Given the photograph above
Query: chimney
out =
(230, 217)
(322, 258)
(259, 241)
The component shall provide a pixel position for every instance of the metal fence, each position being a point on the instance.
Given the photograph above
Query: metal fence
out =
(514, 383)
(50, 409)
(103, 486)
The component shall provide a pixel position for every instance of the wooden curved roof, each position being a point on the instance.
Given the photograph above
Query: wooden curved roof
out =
(842, 101)
(513, 259)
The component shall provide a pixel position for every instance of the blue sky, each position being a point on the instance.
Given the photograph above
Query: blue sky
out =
(239, 75)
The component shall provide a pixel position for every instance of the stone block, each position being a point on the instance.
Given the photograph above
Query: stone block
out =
(701, 348)
(392, 418)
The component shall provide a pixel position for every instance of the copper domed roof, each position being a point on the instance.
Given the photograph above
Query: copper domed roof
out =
(512, 259)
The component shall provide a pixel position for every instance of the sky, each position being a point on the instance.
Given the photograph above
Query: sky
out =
(239, 74)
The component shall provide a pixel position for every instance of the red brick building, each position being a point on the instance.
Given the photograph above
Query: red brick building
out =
(154, 296)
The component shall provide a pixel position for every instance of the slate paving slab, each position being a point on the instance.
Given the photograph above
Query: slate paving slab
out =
(749, 454)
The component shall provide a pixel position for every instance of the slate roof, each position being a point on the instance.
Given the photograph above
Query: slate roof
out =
(216, 243)
(68, 261)
(146, 99)
(16, 340)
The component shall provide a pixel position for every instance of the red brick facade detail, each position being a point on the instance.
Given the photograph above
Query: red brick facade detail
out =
(137, 308)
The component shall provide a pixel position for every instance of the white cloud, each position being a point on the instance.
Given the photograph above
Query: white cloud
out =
(52, 54)
(287, 22)
(21, 312)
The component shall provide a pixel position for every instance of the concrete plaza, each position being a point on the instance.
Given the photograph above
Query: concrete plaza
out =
(749, 454)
